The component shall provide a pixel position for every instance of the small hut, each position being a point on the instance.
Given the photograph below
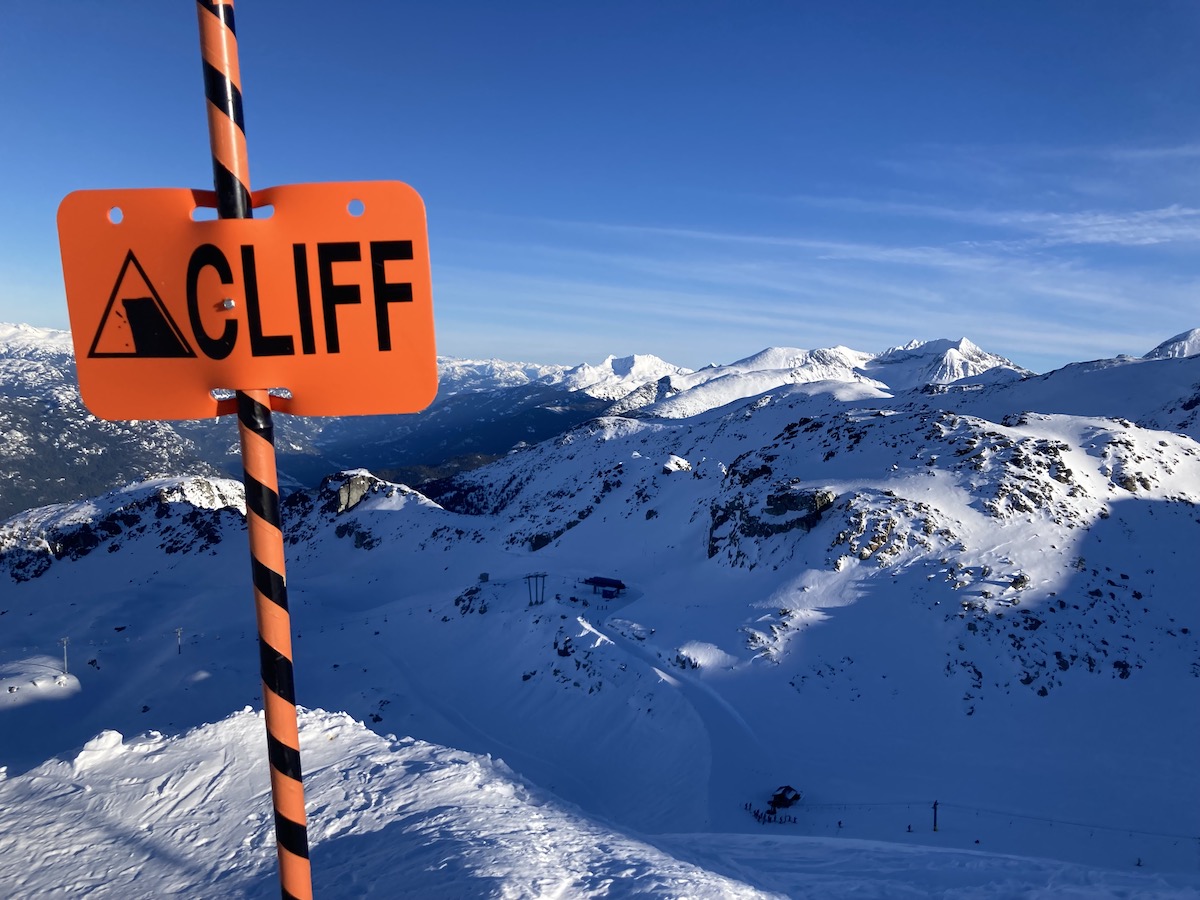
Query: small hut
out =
(784, 797)
(608, 588)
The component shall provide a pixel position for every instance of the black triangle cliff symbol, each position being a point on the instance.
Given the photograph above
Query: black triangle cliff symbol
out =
(139, 326)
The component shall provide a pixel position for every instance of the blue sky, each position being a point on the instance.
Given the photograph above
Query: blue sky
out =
(695, 180)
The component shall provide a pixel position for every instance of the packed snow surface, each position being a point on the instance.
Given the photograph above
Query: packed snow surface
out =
(156, 815)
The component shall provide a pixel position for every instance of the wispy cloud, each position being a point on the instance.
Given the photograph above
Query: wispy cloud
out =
(1061, 175)
(693, 291)
(1169, 224)
(1145, 154)
(1172, 224)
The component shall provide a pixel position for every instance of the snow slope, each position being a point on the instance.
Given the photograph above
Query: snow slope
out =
(1154, 393)
(882, 600)
(156, 815)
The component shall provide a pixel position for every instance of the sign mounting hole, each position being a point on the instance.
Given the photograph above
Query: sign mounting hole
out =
(115, 215)
(356, 207)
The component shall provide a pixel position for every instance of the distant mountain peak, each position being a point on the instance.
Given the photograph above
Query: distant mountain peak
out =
(472, 375)
(20, 339)
(1178, 347)
(941, 361)
(616, 376)
(937, 347)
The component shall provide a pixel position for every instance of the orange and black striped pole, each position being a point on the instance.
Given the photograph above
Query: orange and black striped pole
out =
(231, 176)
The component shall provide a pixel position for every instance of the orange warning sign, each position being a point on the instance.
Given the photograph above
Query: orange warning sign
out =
(325, 295)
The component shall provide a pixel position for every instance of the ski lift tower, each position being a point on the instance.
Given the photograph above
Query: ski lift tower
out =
(535, 582)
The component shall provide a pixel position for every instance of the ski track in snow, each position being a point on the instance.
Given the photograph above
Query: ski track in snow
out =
(733, 745)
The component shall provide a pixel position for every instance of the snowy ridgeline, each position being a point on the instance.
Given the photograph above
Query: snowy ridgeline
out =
(160, 816)
(52, 449)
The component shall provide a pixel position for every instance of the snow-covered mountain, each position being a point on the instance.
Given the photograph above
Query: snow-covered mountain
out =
(915, 365)
(715, 386)
(52, 449)
(615, 378)
(975, 593)
(457, 376)
(919, 363)
(1185, 344)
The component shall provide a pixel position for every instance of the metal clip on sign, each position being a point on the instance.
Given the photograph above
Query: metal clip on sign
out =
(328, 298)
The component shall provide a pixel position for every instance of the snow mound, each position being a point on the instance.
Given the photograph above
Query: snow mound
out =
(700, 654)
(676, 464)
(159, 815)
(35, 679)
(104, 747)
